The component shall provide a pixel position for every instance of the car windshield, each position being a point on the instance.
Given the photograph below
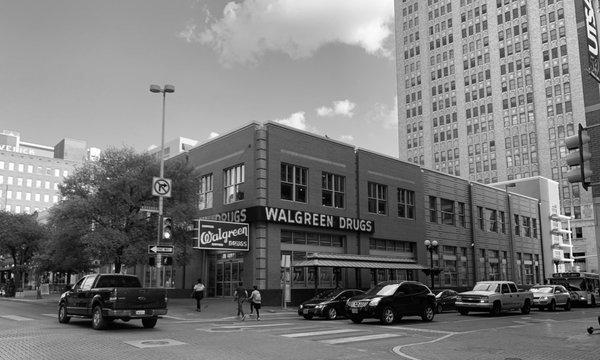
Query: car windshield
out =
(486, 287)
(383, 289)
(328, 294)
(542, 289)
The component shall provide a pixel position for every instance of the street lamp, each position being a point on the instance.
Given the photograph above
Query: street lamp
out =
(432, 247)
(157, 89)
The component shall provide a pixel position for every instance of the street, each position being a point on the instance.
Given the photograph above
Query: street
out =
(29, 330)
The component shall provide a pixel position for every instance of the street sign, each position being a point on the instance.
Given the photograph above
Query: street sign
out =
(152, 209)
(160, 249)
(161, 187)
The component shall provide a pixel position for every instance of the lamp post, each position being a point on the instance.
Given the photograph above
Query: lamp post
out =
(432, 247)
(511, 236)
(164, 90)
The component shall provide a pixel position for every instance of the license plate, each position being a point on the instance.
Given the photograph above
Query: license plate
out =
(305, 311)
(140, 312)
(354, 310)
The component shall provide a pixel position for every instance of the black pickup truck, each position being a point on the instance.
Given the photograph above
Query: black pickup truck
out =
(106, 297)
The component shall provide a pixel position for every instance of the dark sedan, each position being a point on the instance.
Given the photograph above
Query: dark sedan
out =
(445, 300)
(330, 304)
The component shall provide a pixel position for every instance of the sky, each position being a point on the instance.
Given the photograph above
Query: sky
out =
(81, 69)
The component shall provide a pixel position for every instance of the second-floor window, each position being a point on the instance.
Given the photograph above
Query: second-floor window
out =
(406, 204)
(447, 207)
(205, 198)
(294, 183)
(232, 179)
(377, 198)
(333, 188)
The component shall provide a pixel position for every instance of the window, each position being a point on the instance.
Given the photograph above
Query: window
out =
(461, 214)
(491, 215)
(481, 218)
(377, 198)
(517, 227)
(333, 188)
(406, 204)
(447, 207)
(433, 209)
(294, 180)
(205, 194)
(232, 179)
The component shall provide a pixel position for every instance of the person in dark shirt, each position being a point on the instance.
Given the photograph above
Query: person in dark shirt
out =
(240, 295)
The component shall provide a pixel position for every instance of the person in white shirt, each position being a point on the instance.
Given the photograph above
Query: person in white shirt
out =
(255, 301)
(198, 293)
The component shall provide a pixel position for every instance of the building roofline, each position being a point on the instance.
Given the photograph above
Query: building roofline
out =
(321, 137)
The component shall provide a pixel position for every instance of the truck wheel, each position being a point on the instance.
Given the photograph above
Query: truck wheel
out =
(63, 318)
(149, 323)
(387, 316)
(552, 306)
(331, 314)
(356, 320)
(526, 307)
(98, 321)
(428, 313)
(463, 311)
(439, 308)
(568, 305)
(496, 309)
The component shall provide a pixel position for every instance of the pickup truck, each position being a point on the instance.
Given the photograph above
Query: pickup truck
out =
(494, 297)
(106, 297)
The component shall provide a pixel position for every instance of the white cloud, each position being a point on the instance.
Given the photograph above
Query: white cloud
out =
(213, 135)
(385, 115)
(296, 120)
(342, 107)
(347, 138)
(298, 28)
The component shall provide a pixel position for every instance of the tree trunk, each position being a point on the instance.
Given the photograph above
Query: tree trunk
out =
(117, 265)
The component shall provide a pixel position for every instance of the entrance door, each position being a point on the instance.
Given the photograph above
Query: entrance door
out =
(227, 276)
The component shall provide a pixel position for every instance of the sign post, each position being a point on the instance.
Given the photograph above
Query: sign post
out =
(286, 263)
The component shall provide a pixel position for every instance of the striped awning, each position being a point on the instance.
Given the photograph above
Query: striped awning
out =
(356, 261)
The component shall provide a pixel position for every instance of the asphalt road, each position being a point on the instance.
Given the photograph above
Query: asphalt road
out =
(29, 330)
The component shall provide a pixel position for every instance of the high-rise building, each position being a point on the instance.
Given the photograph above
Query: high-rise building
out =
(488, 90)
(31, 173)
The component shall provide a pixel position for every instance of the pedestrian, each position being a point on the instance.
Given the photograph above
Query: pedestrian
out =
(240, 295)
(255, 302)
(198, 293)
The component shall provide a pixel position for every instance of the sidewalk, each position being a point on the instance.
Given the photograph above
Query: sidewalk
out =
(185, 309)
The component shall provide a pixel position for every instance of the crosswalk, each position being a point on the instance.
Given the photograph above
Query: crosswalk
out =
(338, 334)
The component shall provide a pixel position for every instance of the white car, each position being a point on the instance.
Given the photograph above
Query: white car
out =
(550, 297)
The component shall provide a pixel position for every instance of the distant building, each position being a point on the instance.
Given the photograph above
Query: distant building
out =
(173, 147)
(30, 173)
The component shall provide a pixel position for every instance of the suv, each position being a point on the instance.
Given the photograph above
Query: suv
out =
(389, 301)
(494, 297)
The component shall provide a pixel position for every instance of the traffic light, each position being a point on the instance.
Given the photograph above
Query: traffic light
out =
(580, 158)
(167, 228)
(167, 261)
(151, 261)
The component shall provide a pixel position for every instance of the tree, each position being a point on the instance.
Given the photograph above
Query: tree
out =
(103, 200)
(20, 238)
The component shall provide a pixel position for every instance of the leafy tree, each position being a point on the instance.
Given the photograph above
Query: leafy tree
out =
(20, 238)
(103, 201)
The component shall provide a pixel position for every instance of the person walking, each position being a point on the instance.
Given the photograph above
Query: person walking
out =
(240, 295)
(198, 293)
(255, 301)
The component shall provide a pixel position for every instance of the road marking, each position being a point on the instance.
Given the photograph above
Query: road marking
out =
(172, 317)
(154, 343)
(316, 333)
(49, 315)
(416, 329)
(16, 318)
(398, 352)
(359, 338)
(253, 326)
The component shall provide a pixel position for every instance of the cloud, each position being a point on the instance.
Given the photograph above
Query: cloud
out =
(384, 115)
(347, 138)
(213, 135)
(296, 120)
(342, 107)
(247, 30)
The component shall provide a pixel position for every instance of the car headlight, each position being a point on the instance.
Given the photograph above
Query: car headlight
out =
(583, 298)
(300, 307)
(484, 299)
(544, 298)
(374, 302)
(348, 302)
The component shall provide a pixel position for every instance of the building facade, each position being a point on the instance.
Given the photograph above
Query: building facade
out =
(489, 90)
(350, 217)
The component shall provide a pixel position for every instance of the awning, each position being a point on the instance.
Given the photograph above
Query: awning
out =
(356, 261)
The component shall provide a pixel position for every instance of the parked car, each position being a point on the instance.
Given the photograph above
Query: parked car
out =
(551, 296)
(390, 301)
(330, 304)
(106, 297)
(445, 300)
(495, 297)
